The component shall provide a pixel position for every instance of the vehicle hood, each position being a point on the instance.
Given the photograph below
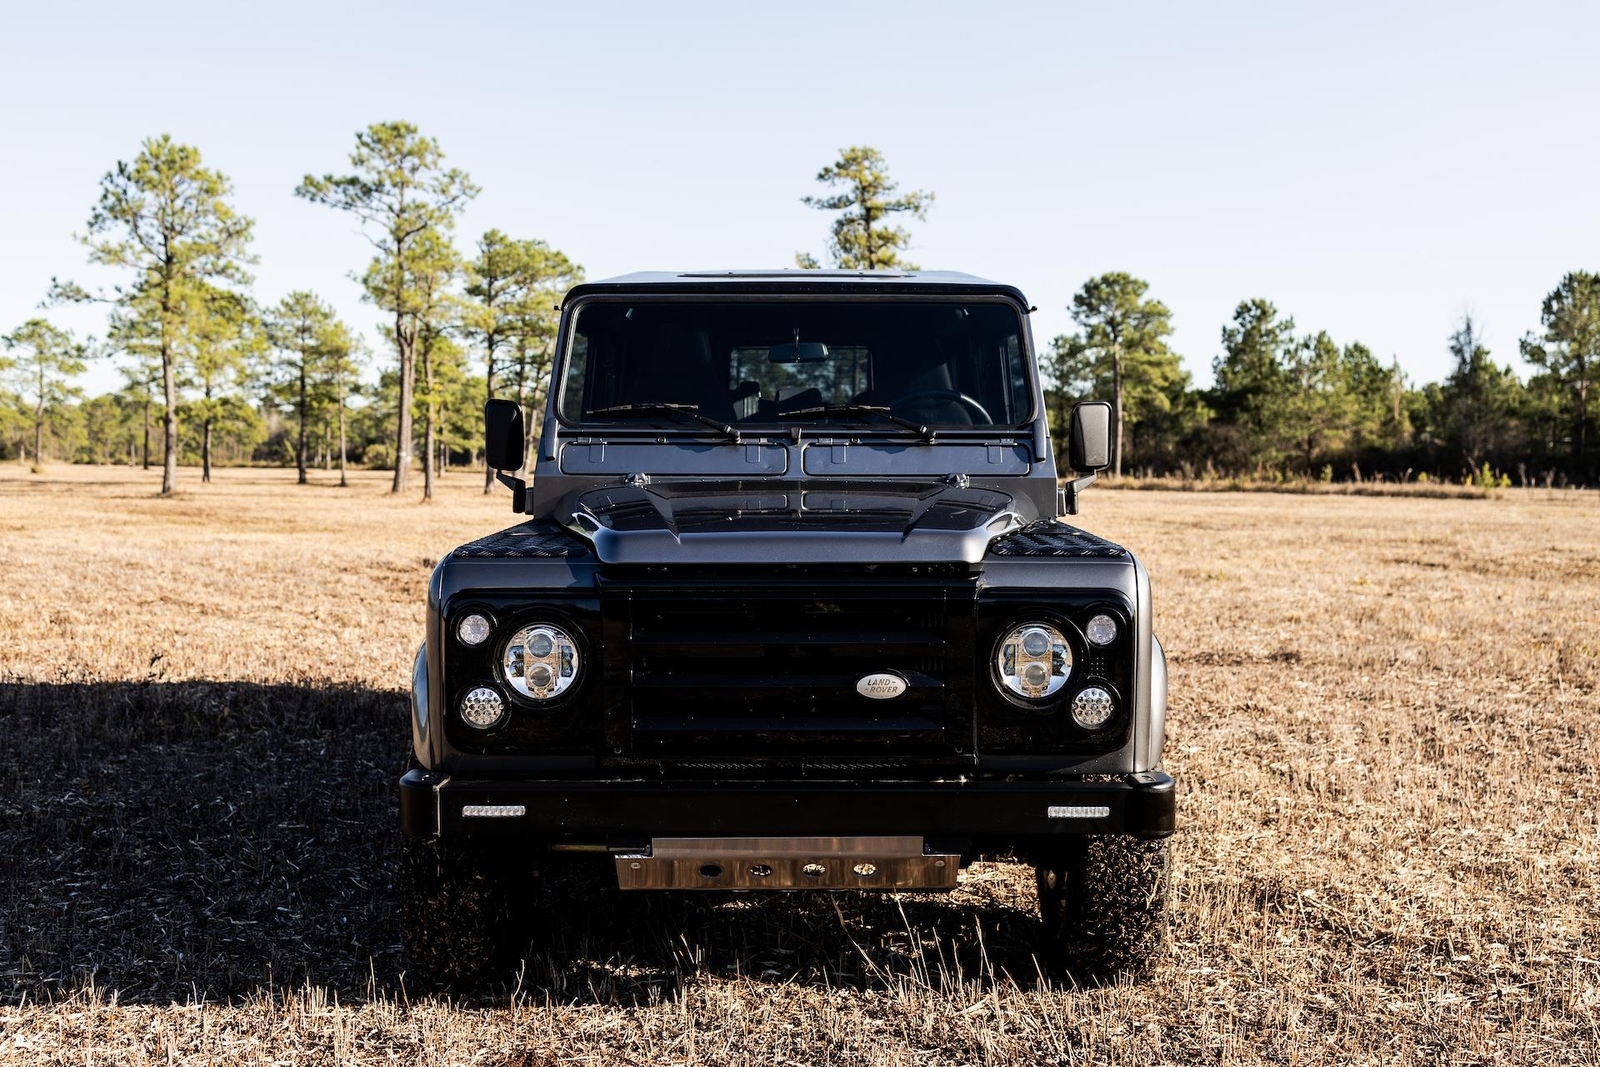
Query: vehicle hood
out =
(744, 522)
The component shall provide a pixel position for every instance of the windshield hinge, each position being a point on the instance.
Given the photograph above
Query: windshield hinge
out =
(638, 480)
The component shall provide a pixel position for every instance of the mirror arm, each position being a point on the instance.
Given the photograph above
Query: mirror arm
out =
(519, 490)
(1073, 488)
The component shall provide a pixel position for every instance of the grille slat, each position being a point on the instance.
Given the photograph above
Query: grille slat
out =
(764, 686)
(737, 644)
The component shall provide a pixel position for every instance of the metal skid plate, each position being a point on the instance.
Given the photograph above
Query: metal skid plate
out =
(787, 863)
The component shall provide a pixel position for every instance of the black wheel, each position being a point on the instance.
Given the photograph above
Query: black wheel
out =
(454, 911)
(1103, 902)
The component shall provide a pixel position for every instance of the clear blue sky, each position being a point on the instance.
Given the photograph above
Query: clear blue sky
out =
(1373, 169)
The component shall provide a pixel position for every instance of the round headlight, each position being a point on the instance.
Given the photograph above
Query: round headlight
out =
(541, 661)
(474, 629)
(1092, 708)
(1102, 630)
(482, 707)
(1034, 661)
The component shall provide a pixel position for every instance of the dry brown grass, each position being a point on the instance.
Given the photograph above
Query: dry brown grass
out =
(1383, 723)
(1215, 483)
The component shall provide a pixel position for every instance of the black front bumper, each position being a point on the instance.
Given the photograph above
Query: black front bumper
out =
(992, 813)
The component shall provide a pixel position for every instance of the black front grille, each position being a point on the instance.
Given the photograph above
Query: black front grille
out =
(773, 669)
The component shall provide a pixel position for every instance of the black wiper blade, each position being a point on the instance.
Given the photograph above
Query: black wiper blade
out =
(688, 411)
(864, 410)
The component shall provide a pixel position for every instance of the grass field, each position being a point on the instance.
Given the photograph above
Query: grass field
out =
(1384, 724)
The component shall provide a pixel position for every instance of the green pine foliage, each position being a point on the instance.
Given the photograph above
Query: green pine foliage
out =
(407, 202)
(165, 219)
(513, 288)
(863, 237)
(38, 361)
(1568, 352)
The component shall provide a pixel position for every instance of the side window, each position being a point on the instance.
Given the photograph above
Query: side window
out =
(573, 402)
(1016, 370)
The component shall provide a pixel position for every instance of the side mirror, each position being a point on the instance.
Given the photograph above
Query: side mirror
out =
(506, 443)
(1090, 444)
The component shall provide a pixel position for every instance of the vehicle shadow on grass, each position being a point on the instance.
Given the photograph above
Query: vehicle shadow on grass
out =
(184, 840)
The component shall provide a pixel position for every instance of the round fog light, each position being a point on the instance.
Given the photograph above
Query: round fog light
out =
(473, 630)
(1102, 630)
(1092, 708)
(482, 707)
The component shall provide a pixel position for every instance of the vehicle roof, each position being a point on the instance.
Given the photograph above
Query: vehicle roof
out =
(794, 280)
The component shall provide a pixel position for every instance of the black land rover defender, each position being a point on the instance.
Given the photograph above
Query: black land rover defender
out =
(791, 609)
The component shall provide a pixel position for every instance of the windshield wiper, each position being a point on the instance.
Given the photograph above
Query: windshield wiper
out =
(864, 410)
(688, 411)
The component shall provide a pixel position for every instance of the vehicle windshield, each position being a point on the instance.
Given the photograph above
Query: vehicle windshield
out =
(778, 362)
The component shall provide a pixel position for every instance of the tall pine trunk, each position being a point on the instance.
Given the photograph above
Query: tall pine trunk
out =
(38, 420)
(488, 394)
(408, 372)
(1116, 391)
(169, 388)
(427, 434)
(1583, 419)
(527, 424)
(205, 441)
(427, 461)
(441, 444)
(343, 480)
(300, 450)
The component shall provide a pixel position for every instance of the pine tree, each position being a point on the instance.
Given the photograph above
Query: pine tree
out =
(1569, 352)
(299, 329)
(862, 237)
(402, 192)
(1479, 400)
(166, 218)
(222, 336)
(1250, 380)
(42, 358)
(1124, 341)
(511, 288)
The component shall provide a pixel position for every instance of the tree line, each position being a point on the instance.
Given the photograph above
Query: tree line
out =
(1291, 404)
(1283, 404)
(230, 379)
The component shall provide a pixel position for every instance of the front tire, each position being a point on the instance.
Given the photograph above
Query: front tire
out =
(1103, 903)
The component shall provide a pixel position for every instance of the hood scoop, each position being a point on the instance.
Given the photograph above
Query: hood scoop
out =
(864, 522)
